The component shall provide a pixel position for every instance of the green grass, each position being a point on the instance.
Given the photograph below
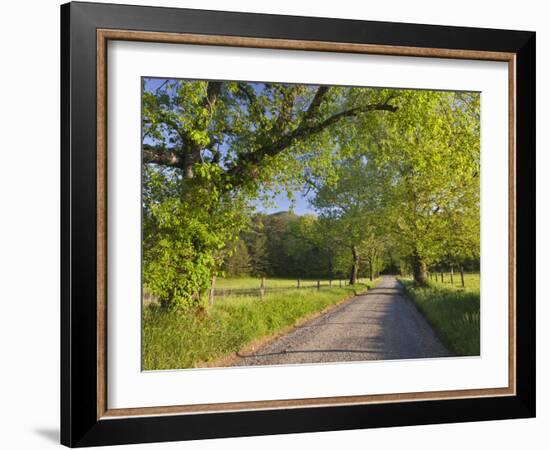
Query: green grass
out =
(471, 281)
(452, 311)
(251, 283)
(178, 340)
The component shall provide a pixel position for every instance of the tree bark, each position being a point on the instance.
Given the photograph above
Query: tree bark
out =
(419, 270)
(191, 158)
(355, 265)
(161, 156)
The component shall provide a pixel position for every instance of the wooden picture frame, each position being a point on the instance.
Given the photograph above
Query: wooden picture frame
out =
(85, 416)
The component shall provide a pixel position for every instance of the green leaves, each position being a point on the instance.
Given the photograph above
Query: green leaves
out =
(409, 180)
(187, 225)
(404, 179)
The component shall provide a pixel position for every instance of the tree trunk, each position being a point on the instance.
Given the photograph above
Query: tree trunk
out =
(419, 270)
(355, 266)
(452, 273)
(462, 275)
(191, 158)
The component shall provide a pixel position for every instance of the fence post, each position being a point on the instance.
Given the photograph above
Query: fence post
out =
(452, 280)
(211, 291)
(330, 283)
(318, 284)
(340, 282)
(462, 275)
(298, 283)
(442, 277)
(262, 288)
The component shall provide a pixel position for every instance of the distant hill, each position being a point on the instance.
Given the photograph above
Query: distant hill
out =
(283, 214)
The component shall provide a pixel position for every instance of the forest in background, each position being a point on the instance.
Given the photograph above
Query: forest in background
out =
(286, 245)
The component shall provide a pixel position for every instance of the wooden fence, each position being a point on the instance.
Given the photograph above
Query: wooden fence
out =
(262, 289)
(452, 277)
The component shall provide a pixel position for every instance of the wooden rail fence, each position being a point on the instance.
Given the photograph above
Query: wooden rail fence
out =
(262, 289)
(439, 276)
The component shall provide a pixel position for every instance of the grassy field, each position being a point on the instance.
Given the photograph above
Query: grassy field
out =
(251, 283)
(174, 340)
(471, 281)
(452, 311)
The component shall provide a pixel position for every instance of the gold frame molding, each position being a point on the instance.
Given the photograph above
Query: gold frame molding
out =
(103, 36)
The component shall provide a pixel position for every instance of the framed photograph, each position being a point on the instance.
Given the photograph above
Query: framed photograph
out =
(277, 224)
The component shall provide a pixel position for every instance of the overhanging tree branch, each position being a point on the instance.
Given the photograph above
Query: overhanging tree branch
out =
(246, 163)
(213, 90)
(304, 131)
(316, 102)
(183, 160)
(161, 156)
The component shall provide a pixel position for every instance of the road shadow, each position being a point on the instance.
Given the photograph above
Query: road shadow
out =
(391, 294)
(327, 324)
(288, 352)
(385, 291)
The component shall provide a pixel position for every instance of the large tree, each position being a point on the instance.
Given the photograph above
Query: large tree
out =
(244, 127)
(209, 147)
(352, 208)
(432, 149)
(411, 181)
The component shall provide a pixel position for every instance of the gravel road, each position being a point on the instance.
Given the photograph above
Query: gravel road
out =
(383, 324)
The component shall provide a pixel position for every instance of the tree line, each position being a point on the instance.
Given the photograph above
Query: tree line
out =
(286, 245)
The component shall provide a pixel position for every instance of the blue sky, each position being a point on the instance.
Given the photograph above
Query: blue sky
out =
(300, 206)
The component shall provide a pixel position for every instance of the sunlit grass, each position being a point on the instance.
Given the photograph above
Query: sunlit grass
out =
(471, 281)
(252, 282)
(177, 340)
(453, 311)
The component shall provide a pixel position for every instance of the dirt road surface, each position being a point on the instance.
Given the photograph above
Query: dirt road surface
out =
(382, 324)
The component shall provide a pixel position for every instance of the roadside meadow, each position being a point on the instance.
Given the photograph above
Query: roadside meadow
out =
(181, 340)
(453, 311)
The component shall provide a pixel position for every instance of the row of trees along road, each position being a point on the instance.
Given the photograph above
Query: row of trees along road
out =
(394, 176)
